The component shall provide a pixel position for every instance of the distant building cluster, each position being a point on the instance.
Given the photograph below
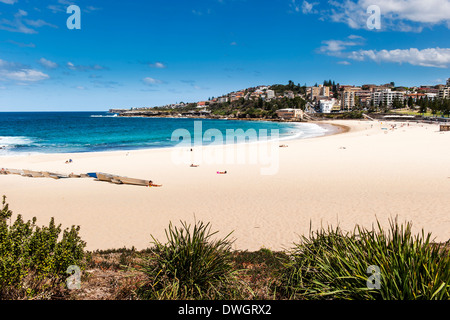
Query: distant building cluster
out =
(328, 98)
(340, 98)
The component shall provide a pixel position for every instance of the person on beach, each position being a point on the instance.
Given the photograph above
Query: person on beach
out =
(151, 184)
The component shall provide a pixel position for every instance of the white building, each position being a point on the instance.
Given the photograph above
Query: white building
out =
(431, 96)
(289, 94)
(270, 94)
(387, 97)
(326, 105)
(348, 99)
(444, 93)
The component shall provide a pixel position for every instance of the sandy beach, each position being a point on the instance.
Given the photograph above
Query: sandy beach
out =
(370, 172)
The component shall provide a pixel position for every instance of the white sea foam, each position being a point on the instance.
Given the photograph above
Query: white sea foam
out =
(102, 116)
(8, 143)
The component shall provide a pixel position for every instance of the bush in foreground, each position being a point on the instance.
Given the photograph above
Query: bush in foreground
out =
(332, 264)
(191, 265)
(33, 260)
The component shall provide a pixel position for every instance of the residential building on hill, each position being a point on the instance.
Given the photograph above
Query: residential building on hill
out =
(328, 105)
(387, 97)
(444, 93)
(270, 94)
(348, 97)
(289, 114)
(314, 93)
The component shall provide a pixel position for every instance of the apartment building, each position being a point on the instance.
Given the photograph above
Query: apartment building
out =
(348, 98)
(314, 93)
(270, 94)
(289, 94)
(444, 93)
(327, 105)
(387, 97)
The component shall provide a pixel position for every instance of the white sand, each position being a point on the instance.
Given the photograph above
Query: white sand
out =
(350, 178)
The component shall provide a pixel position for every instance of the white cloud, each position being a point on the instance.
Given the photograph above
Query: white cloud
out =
(8, 1)
(336, 47)
(333, 47)
(430, 57)
(16, 25)
(105, 84)
(22, 45)
(151, 81)
(48, 64)
(62, 5)
(201, 13)
(158, 65)
(402, 15)
(19, 24)
(27, 75)
(308, 8)
(39, 23)
(74, 67)
(11, 71)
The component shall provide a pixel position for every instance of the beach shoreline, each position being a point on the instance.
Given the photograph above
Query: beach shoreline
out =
(371, 172)
(130, 149)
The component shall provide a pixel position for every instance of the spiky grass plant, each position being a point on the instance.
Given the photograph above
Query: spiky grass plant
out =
(333, 264)
(191, 265)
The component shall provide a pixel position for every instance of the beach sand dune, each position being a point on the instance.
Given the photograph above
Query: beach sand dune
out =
(371, 172)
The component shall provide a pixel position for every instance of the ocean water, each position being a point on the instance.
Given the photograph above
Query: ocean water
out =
(68, 132)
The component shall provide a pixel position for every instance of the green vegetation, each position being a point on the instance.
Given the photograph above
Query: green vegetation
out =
(191, 265)
(344, 115)
(435, 106)
(255, 108)
(296, 89)
(33, 260)
(332, 264)
(195, 263)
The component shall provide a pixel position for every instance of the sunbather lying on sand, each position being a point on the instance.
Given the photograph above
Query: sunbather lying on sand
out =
(151, 184)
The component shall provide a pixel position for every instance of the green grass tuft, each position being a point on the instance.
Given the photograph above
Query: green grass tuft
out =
(332, 264)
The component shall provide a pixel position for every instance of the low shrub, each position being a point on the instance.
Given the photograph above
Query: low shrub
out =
(34, 260)
(191, 265)
(332, 264)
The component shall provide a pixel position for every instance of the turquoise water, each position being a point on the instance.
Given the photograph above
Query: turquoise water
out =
(67, 132)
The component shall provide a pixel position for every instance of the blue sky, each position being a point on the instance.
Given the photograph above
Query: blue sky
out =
(148, 53)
